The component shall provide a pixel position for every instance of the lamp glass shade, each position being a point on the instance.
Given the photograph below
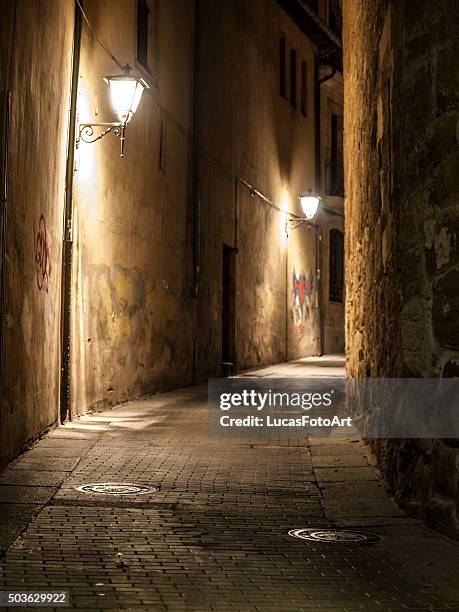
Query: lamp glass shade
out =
(125, 92)
(309, 204)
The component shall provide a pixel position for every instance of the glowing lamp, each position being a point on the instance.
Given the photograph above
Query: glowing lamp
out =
(125, 92)
(309, 204)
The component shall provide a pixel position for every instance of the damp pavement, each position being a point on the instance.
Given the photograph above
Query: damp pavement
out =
(210, 528)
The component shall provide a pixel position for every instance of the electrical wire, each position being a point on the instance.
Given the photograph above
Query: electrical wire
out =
(106, 49)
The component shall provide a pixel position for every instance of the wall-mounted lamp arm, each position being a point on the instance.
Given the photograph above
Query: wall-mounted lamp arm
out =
(295, 222)
(86, 132)
(126, 91)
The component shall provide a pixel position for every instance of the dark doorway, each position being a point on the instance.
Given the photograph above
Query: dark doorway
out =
(228, 309)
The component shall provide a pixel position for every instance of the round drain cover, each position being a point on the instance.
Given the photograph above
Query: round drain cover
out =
(115, 488)
(335, 535)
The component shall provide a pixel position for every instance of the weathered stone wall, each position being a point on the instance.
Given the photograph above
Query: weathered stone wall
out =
(132, 295)
(401, 218)
(32, 216)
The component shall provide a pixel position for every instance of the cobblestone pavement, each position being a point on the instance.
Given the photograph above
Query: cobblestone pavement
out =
(215, 534)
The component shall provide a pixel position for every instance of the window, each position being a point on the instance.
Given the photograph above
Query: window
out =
(282, 60)
(142, 32)
(304, 89)
(293, 77)
(336, 280)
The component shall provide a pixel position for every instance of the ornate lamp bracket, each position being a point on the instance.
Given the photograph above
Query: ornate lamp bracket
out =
(87, 134)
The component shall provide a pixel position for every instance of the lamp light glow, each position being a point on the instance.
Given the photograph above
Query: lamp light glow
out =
(309, 204)
(125, 92)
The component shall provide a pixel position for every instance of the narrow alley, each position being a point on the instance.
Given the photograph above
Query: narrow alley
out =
(215, 535)
(229, 305)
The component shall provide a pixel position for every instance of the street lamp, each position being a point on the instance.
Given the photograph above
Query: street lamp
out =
(125, 93)
(309, 204)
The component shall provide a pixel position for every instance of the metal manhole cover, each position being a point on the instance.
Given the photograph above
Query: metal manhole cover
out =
(335, 535)
(115, 488)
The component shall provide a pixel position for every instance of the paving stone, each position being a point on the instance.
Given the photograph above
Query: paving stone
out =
(74, 434)
(339, 461)
(365, 489)
(18, 494)
(344, 442)
(339, 508)
(57, 452)
(43, 478)
(339, 449)
(375, 521)
(46, 464)
(52, 441)
(346, 474)
(13, 519)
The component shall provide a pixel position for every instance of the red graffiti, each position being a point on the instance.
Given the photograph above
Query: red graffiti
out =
(42, 256)
(302, 297)
(302, 288)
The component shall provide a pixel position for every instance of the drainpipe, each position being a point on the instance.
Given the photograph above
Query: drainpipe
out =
(67, 247)
(195, 184)
(317, 245)
(328, 76)
(317, 84)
